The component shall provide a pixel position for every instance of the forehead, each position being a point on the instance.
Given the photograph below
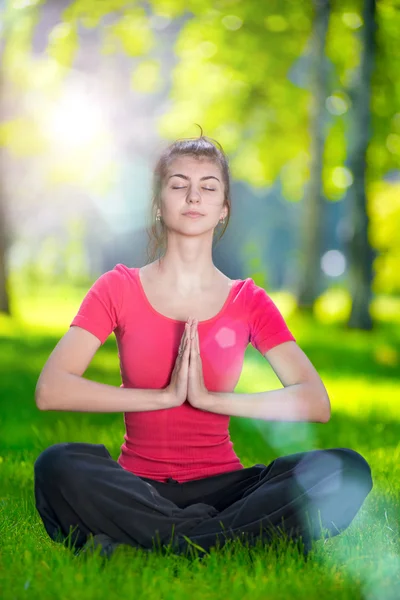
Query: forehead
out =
(188, 165)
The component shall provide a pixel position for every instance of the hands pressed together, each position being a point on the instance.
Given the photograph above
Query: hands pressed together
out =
(187, 381)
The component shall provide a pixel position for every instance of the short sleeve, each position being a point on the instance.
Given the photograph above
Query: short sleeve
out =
(267, 325)
(101, 307)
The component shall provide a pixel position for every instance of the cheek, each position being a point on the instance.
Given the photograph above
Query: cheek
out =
(171, 199)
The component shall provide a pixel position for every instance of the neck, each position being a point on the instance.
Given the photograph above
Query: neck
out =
(187, 276)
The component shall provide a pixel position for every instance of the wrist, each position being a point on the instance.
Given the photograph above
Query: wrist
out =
(166, 398)
(206, 400)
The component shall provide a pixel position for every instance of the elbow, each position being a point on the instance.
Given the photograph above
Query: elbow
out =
(321, 403)
(40, 396)
(325, 417)
(325, 411)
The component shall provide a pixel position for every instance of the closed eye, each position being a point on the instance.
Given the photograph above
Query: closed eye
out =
(182, 187)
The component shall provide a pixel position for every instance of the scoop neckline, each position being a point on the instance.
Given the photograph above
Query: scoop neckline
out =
(147, 301)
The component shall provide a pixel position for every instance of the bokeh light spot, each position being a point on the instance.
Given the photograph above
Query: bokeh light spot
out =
(352, 20)
(342, 177)
(232, 22)
(333, 306)
(336, 105)
(393, 143)
(226, 337)
(333, 263)
(276, 23)
(207, 49)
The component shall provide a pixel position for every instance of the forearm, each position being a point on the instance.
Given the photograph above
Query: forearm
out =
(300, 402)
(68, 392)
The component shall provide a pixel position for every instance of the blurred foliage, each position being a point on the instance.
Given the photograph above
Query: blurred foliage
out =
(120, 33)
(54, 261)
(147, 78)
(253, 55)
(252, 256)
(385, 215)
(234, 77)
(242, 73)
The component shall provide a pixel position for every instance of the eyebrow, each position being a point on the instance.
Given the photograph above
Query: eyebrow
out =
(186, 177)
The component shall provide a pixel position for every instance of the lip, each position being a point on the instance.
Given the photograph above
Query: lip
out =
(192, 213)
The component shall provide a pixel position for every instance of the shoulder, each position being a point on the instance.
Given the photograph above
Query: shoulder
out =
(259, 301)
(123, 271)
(119, 274)
(255, 293)
(114, 283)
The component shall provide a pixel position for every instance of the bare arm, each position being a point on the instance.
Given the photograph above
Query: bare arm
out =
(62, 387)
(303, 398)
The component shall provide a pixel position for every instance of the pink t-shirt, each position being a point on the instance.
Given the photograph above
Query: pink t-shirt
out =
(182, 442)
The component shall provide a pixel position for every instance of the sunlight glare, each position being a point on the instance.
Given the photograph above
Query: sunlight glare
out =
(75, 121)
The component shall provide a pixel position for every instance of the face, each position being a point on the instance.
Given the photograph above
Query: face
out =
(197, 185)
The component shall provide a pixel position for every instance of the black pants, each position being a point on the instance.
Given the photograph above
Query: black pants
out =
(80, 489)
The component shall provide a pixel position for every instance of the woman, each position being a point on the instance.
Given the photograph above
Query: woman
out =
(182, 328)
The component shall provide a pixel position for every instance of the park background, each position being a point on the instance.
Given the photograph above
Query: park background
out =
(304, 97)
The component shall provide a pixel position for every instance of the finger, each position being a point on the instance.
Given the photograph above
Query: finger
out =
(192, 352)
(186, 346)
(182, 343)
(194, 337)
(182, 349)
(187, 331)
(198, 342)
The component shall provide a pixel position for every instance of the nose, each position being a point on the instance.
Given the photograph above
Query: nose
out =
(193, 195)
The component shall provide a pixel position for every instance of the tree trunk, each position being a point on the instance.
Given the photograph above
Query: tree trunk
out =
(313, 203)
(360, 253)
(4, 302)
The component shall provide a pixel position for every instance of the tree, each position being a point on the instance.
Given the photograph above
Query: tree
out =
(4, 299)
(359, 249)
(312, 225)
(234, 62)
(12, 48)
(4, 236)
(241, 73)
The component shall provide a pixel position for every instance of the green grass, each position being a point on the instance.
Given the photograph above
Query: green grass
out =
(361, 373)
